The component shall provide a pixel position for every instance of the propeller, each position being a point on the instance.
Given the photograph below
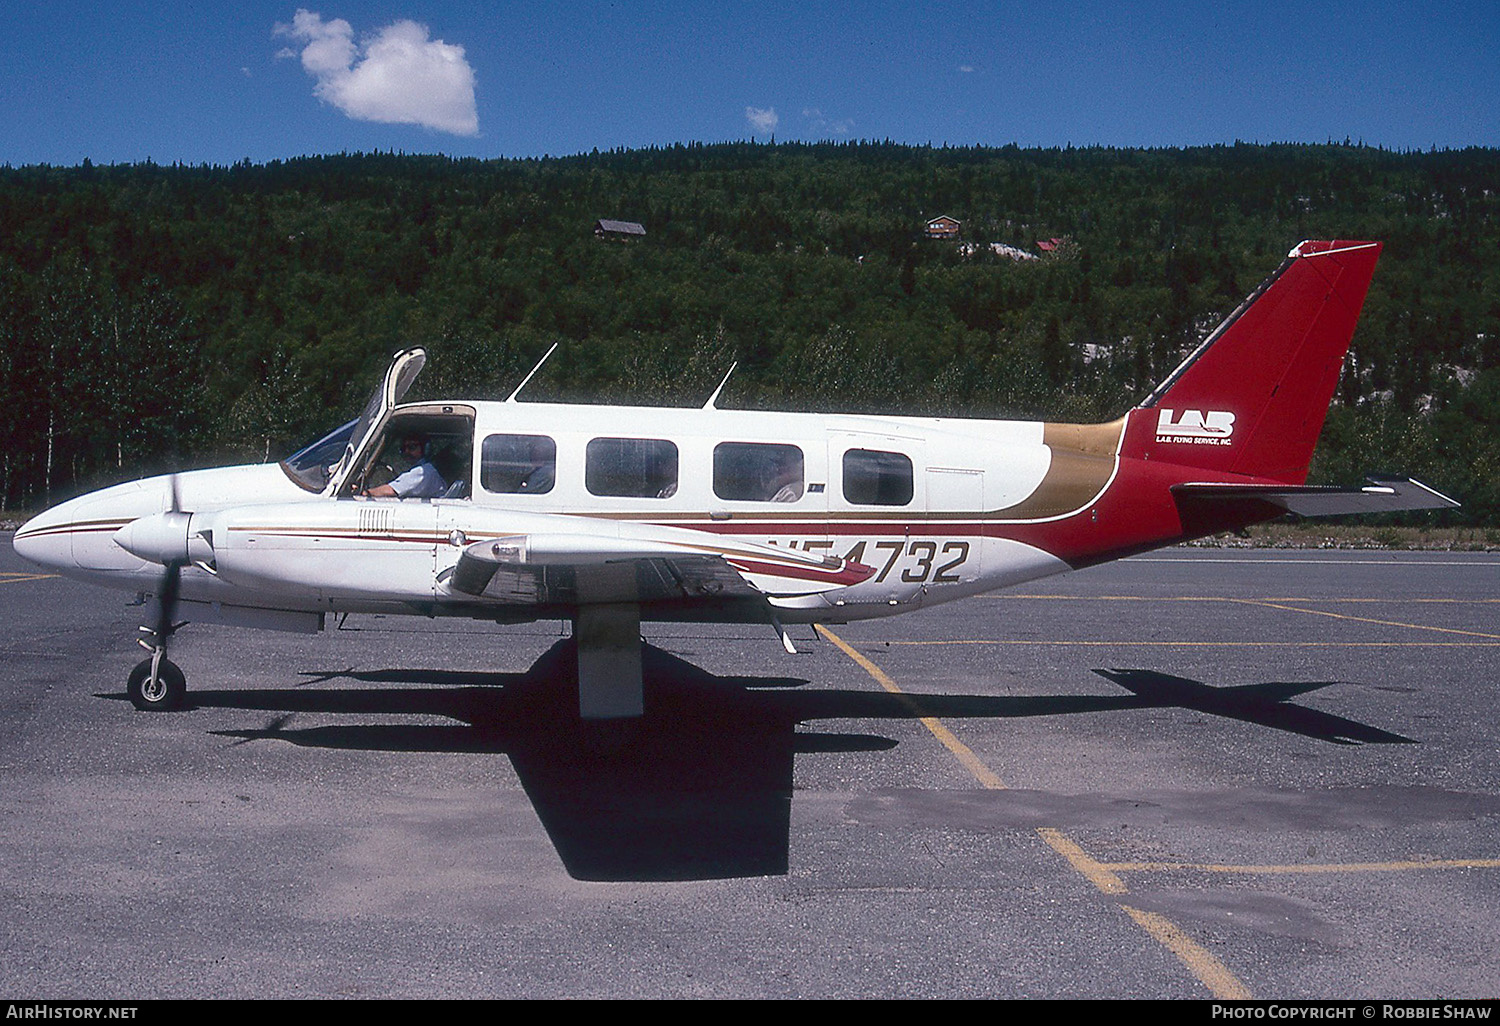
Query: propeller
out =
(172, 579)
(170, 587)
(160, 538)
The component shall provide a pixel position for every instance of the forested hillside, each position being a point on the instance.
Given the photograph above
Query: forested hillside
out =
(158, 316)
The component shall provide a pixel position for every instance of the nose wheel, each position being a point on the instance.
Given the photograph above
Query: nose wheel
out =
(156, 686)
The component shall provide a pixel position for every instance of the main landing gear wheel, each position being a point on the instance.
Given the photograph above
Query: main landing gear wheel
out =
(168, 691)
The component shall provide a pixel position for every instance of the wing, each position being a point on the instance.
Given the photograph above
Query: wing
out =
(645, 564)
(482, 573)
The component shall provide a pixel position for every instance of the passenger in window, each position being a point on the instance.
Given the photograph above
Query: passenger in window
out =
(543, 472)
(786, 480)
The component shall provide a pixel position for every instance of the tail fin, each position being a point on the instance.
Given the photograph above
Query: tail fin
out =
(1252, 398)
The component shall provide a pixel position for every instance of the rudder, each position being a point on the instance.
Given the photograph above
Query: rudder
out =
(1251, 399)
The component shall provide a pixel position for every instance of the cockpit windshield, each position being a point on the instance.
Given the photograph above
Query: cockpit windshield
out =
(309, 467)
(333, 455)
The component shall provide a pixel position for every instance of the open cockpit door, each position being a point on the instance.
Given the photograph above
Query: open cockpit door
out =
(404, 368)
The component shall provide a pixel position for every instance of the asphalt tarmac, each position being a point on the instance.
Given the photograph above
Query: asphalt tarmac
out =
(1198, 773)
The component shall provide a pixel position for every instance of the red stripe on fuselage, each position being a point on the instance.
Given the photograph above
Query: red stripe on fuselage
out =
(849, 574)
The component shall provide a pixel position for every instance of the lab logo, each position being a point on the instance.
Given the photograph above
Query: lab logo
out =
(1194, 427)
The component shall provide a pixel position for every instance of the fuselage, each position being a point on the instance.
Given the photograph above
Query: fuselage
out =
(931, 509)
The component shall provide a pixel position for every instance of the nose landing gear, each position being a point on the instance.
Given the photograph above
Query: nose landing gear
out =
(156, 684)
(159, 689)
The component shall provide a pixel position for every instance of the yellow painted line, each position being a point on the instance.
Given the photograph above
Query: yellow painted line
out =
(1215, 974)
(1399, 601)
(965, 755)
(1098, 874)
(1208, 644)
(17, 578)
(1225, 598)
(1363, 619)
(1312, 868)
(1281, 603)
(1211, 972)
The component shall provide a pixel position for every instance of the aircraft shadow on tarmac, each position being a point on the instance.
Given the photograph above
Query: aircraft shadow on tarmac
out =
(702, 787)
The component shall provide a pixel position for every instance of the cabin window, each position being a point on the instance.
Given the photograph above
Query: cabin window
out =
(758, 472)
(518, 464)
(875, 478)
(639, 467)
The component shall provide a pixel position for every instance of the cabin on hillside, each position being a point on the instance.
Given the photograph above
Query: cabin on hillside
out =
(943, 227)
(604, 229)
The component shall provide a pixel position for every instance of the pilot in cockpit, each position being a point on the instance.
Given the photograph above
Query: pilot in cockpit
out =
(422, 481)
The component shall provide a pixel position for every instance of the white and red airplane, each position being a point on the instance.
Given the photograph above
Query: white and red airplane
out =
(611, 515)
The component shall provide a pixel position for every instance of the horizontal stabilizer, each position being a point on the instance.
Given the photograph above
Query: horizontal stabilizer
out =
(1381, 495)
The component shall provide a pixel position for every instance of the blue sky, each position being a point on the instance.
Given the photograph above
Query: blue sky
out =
(217, 83)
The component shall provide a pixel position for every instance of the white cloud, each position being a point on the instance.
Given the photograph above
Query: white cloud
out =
(967, 69)
(400, 75)
(763, 122)
(823, 127)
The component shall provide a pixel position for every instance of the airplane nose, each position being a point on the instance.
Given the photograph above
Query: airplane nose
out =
(46, 540)
(74, 536)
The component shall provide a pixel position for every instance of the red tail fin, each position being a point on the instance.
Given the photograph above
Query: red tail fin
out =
(1251, 400)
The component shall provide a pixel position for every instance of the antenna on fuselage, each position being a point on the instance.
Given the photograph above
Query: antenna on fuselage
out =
(528, 377)
(713, 398)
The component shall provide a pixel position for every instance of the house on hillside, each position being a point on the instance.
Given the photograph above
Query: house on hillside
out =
(943, 227)
(604, 229)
